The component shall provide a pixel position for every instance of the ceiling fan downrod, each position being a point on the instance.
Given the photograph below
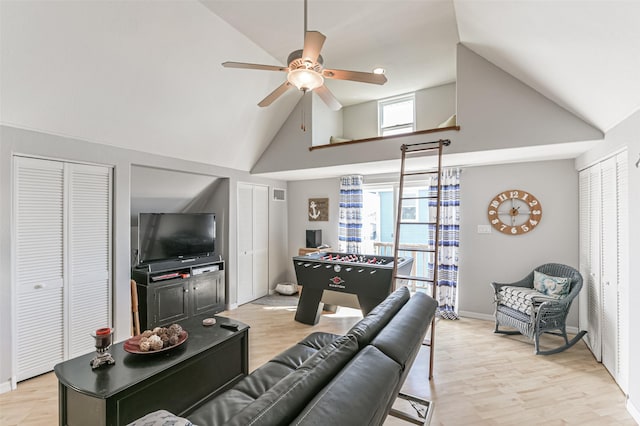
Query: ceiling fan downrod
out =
(305, 19)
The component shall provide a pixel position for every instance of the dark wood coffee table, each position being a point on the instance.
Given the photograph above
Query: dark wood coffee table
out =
(211, 360)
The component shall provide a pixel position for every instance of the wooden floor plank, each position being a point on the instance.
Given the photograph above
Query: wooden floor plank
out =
(480, 378)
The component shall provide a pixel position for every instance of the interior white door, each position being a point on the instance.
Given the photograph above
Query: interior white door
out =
(38, 265)
(622, 188)
(253, 242)
(245, 243)
(89, 254)
(604, 263)
(62, 263)
(609, 266)
(592, 278)
(584, 249)
(260, 241)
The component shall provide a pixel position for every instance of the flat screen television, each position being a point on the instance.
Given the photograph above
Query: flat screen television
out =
(163, 236)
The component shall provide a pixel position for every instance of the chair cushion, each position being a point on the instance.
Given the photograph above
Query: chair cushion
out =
(551, 286)
(522, 299)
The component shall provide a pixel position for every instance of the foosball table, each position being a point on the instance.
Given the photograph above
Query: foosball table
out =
(369, 277)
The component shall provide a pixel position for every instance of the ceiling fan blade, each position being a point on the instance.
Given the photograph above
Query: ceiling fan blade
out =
(254, 66)
(313, 41)
(363, 77)
(275, 94)
(328, 98)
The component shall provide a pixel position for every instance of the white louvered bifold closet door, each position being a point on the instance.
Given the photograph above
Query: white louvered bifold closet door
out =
(38, 265)
(62, 260)
(590, 298)
(584, 184)
(89, 259)
(609, 265)
(604, 234)
(622, 176)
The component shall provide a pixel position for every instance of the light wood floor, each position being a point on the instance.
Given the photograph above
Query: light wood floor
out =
(480, 378)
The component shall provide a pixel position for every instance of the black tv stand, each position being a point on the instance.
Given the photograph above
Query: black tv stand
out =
(173, 290)
(175, 263)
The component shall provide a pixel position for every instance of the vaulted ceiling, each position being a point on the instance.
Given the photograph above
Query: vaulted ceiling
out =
(147, 75)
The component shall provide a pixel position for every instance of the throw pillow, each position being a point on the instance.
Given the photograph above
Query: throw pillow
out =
(551, 286)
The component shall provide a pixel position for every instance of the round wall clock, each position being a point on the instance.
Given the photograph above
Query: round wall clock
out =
(514, 212)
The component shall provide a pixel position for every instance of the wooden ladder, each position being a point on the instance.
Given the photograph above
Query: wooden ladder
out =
(423, 148)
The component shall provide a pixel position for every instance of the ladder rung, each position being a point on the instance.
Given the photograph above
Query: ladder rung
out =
(418, 173)
(426, 197)
(423, 250)
(412, 278)
(431, 148)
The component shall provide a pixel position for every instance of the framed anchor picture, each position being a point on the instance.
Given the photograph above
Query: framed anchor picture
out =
(318, 209)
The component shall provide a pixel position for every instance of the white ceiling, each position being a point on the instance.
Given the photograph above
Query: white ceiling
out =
(582, 54)
(147, 75)
(415, 41)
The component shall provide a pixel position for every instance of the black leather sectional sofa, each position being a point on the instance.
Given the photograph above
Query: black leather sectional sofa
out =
(331, 379)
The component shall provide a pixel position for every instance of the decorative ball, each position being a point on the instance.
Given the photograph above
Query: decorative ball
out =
(174, 339)
(145, 345)
(155, 343)
(147, 333)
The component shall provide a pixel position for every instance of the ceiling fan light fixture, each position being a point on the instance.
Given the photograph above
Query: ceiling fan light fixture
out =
(305, 79)
(379, 70)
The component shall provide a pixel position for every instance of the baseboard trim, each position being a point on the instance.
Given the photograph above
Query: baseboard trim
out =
(232, 306)
(633, 410)
(475, 315)
(5, 386)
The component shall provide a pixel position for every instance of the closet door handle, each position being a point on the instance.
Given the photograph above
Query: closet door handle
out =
(39, 286)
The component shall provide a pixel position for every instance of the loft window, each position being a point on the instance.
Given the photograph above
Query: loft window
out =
(396, 115)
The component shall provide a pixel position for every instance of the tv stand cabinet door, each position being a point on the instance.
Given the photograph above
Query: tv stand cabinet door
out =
(207, 292)
(170, 303)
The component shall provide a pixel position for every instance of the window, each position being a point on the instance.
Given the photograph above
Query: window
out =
(396, 115)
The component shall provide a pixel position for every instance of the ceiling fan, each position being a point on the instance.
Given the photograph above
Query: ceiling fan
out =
(306, 71)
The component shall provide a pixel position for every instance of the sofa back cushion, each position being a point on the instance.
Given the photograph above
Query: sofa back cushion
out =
(403, 335)
(359, 394)
(281, 403)
(368, 327)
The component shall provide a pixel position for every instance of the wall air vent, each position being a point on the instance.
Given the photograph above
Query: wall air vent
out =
(279, 194)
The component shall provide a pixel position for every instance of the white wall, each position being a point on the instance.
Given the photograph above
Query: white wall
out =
(360, 121)
(13, 140)
(329, 122)
(494, 111)
(142, 75)
(433, 106)
(299, 194)
(279, 258)
(627, 135)
(483, 257)
(506, 258)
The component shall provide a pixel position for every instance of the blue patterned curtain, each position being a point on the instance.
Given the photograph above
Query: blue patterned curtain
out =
(447, 285)
(350, 232)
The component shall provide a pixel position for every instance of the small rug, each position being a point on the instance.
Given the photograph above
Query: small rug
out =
(277, 300)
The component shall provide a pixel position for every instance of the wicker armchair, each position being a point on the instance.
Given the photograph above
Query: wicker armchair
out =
(531, 313)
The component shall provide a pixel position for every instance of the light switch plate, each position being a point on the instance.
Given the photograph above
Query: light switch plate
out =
(484, 229)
